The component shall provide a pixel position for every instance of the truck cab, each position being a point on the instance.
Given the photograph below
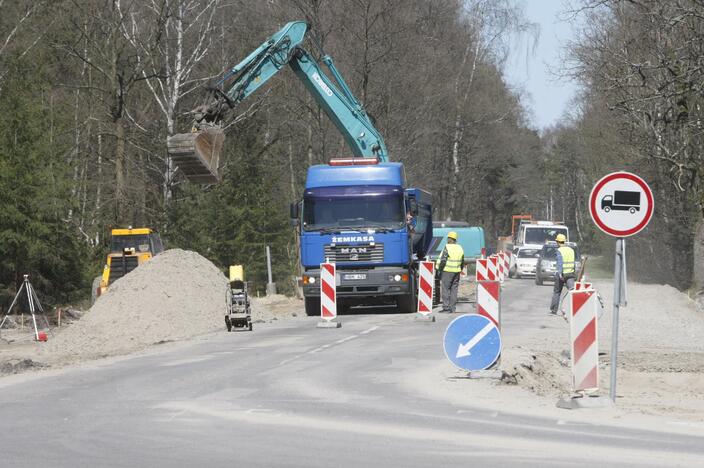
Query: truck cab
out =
(354, 214)
(535, 235)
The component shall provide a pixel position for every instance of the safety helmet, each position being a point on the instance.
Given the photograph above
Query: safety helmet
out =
(452, 235)
(560, 238)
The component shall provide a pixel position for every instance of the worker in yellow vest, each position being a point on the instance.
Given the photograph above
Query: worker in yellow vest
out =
(450, 265)
(565, 273)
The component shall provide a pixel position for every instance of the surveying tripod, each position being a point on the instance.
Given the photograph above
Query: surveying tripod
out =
(34, 305)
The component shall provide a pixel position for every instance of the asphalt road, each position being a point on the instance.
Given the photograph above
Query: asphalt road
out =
(290, 394)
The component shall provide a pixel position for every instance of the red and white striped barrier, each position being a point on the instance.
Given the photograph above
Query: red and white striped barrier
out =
(482, 272)
(506, 258)
(493, 267)
(489, 301)
(500, 274)
(580, 285)
(583, 333)
(328, 292)
(426, 284)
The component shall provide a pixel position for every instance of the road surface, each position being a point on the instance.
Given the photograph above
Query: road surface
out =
(289, 394)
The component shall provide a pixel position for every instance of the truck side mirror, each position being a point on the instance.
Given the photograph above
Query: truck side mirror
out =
(294, 213)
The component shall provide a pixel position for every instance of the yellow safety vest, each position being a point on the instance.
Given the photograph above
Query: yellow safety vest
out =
(455, 257)
(567, 254)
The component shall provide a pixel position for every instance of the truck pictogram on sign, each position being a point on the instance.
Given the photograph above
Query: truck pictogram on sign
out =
(621, 200)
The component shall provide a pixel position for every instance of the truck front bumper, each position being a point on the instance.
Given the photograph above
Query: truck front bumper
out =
(383, 281)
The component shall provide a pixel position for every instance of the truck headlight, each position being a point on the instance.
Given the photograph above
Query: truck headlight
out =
(399, 278)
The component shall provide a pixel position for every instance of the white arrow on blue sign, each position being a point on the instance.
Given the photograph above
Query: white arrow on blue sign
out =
(472, 342)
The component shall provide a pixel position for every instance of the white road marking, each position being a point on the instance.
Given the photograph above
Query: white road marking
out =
(329, 345)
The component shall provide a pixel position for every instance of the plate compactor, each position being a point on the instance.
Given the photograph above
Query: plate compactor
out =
(239, 313)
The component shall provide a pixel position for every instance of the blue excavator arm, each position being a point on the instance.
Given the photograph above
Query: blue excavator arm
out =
(194, 153)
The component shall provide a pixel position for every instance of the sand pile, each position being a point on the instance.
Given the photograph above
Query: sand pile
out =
(176, 295)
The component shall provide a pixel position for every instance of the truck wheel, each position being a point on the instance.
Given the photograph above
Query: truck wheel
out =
(607, 209)
(406, 304)
(632, 210)
(312, 306)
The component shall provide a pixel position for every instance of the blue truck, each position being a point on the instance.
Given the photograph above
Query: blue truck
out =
(355, 216)
(356, 212)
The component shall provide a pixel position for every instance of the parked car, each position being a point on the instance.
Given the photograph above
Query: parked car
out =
(523, 262)
(546, 264)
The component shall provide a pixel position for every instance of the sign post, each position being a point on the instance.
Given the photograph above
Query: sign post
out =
(620, 204)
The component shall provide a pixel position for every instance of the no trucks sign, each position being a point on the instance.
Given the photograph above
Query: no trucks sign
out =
(621, 204)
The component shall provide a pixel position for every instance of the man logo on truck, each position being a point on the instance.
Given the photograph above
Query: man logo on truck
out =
(621, 200)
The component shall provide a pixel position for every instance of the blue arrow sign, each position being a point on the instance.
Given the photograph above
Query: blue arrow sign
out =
(472, 342)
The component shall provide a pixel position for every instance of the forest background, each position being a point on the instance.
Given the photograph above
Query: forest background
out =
(90, 89)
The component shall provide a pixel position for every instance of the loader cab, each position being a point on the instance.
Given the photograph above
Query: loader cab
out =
(129, 248)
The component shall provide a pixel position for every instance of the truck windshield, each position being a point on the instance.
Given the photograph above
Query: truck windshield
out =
(542, 235)
(353, 208)
(138, 242)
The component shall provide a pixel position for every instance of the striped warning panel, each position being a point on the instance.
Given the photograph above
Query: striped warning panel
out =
(492, 269)
(328, 293)
(499, 265)
(488, 301)
(506, 258)
(583, 333)
(426, 284)
(482, 270)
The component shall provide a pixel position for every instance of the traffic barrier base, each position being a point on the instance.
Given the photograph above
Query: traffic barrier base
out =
(328, 324)
(424, 317)
(584, 401)
(491, 373)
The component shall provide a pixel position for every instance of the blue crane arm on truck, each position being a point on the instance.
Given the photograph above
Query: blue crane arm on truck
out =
(197, 153)
(354, 210)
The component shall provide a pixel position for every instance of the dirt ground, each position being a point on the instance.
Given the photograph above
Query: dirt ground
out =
(660, 355)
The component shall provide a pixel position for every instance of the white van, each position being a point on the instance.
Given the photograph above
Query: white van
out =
(535, 235)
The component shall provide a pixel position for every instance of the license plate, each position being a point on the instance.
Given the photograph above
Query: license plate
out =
(354, 276)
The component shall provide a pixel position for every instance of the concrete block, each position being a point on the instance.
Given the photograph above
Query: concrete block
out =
(328, 324)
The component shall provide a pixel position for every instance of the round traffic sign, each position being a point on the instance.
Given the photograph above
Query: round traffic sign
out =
(472, 342)
(621, 204)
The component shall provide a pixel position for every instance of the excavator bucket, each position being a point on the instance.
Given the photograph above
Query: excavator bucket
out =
(197, 154)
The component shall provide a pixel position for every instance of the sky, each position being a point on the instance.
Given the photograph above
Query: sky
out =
(547, 95)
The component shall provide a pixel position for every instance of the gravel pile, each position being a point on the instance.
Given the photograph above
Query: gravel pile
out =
(176, 295)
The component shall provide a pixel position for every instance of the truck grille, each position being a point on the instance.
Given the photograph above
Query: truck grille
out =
(118, 269)
(354, 253)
